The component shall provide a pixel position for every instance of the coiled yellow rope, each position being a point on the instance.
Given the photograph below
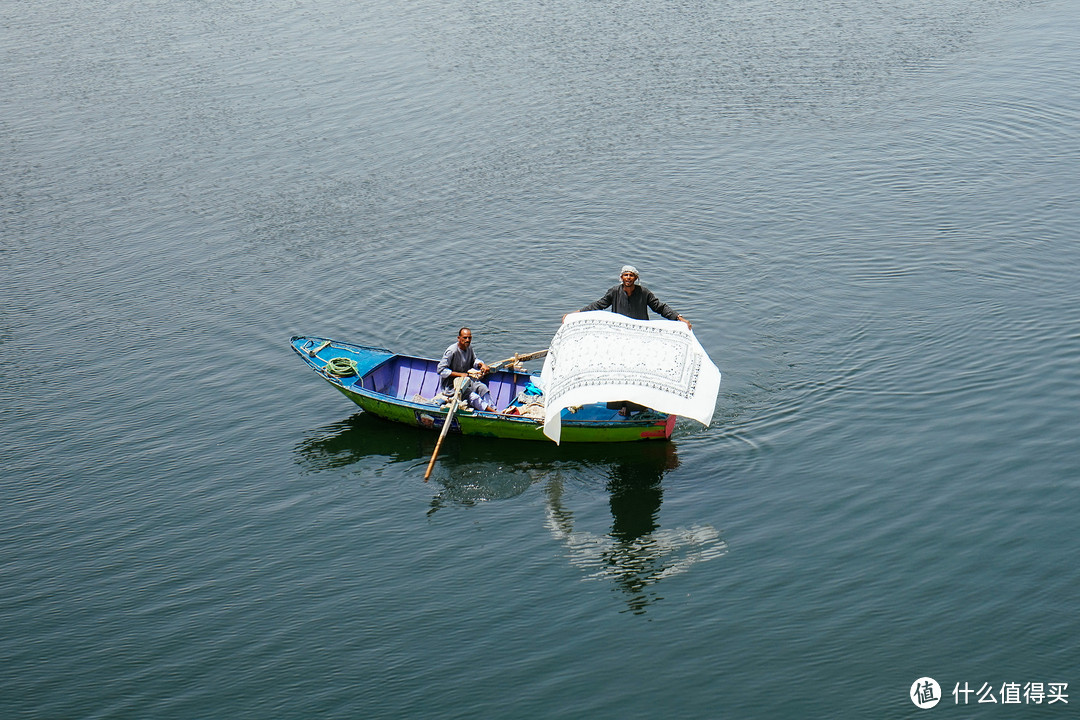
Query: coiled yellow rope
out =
(341, 367)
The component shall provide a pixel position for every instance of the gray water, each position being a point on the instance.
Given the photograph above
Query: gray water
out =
(868, 210)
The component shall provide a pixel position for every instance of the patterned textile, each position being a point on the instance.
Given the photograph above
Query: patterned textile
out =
(605, 357)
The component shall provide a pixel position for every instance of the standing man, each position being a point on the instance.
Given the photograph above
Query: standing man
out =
(633, 300)
(460, 361)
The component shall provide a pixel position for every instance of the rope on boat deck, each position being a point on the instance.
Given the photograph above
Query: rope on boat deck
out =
(341, 367)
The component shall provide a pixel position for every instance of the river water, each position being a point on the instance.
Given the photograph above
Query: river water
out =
(868, 210)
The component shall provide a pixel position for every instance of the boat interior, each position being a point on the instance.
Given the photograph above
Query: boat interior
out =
(405, 377)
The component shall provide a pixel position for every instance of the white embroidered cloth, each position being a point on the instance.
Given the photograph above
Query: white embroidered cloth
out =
(602, 356)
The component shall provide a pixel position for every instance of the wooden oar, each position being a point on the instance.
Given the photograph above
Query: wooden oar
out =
(519, 358)
(446, 425)
(457, 401)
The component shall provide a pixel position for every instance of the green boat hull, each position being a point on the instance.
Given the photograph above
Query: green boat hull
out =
(510, 428)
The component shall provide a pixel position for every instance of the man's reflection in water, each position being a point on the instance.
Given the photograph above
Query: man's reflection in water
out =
(636, 492)
(637, 552)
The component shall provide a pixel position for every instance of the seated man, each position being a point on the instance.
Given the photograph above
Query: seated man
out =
(460, 361)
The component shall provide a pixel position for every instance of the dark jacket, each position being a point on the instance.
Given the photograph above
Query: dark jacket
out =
(635, 306)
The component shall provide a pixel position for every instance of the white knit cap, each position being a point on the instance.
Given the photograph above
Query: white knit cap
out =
(630, 269)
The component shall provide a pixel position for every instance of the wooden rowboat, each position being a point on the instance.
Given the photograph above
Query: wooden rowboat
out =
(399, 387)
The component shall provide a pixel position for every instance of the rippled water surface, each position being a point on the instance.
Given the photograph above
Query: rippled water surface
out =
(868, 210)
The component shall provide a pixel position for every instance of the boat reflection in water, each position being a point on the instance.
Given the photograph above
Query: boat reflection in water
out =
(635, 552)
